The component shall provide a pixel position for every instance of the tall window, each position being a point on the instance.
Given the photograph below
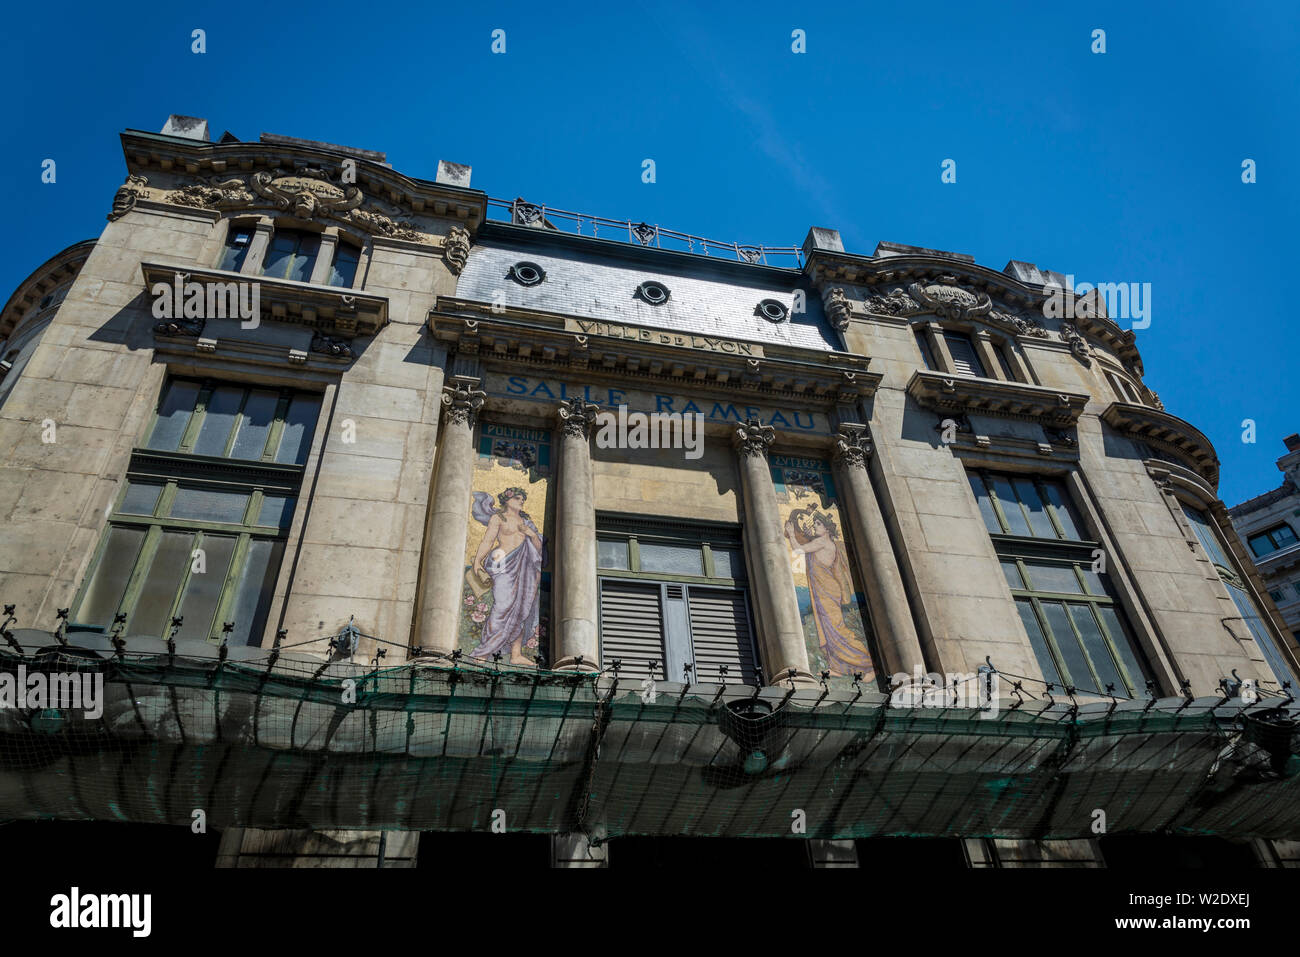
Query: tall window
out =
(238, 241)
(1068, 609)
(291, 255)
(344, 268)
(199, 528)
(1272, 540)
(1236, 586)
(965, 359)
(676, 595)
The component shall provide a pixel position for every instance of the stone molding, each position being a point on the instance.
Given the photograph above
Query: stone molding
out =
(940, 392)
(1167, 433)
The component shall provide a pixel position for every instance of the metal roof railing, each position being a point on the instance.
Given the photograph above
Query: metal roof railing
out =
(522, 213)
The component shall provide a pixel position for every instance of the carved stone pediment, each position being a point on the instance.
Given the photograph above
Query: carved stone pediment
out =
(216, 192)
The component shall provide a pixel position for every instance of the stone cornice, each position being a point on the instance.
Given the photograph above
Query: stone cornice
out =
(533, 340)
(52, 273)
(1168, 433)
(1178, 478)
(940, 392)
(329, 309)
(151, 152)
(830, 267)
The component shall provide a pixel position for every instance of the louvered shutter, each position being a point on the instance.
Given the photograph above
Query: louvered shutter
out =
(631, 627)
(964, 359)
(720, 635)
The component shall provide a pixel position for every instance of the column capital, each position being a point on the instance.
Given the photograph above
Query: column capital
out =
(461, 401)
(576, 416)
(753, 438)
(853, 445)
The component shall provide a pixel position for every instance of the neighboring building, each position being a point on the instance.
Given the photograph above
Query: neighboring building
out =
(1267, 525)
(311, 460)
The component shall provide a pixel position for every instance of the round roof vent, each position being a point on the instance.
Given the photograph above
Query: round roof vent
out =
(772, 311)
(527, 274)
(655, 293)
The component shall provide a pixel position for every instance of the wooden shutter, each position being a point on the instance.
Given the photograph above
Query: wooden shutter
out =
(720, 635)
(631, 627)
(964, 359)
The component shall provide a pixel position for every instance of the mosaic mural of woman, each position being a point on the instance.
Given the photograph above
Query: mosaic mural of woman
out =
(510, 557)
(815, 535)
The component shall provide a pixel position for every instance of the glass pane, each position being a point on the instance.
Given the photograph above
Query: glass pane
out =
(1038, 520)
(1208, 539)
(344, 269)
(1124, 645)
(1064, 514)
(1000, 352)
(279, 254)
(173, 416)
(670, 559)
(1259, 631)
(255, 425)
(1037, 641)
(1284, 536)
(1093, 581)
(223, 412)
(276, 511)
(140, 498)
(1075, 663)
(237, 244)
(209, 505)
(1261, 545)
(1098, 652)
(1010, 507)
(611, 554)
(111, 576)
(299, 424)
(1044, 576)
(203, 590)
(305, 258)
(985, 503)
(1010, 570)
(924, 345)
(151, 615)
(255, 588)
(728, 563)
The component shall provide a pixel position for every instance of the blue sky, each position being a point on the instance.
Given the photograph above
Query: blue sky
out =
(1123, 166)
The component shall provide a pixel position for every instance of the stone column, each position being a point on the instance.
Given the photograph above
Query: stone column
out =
(891, 614)
(578, 635)
(446, 529)
(320, 271)
(255, 258)
(781, 638)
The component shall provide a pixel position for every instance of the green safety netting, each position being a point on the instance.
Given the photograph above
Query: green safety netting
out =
(268, 740)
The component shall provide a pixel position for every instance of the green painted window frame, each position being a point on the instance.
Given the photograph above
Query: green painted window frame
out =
(1077, 555)
(174, 470)
(681, 536)
(298, 236)
(1268, 535)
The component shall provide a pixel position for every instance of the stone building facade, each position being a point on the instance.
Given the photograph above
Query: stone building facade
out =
(290, 394)
(1267, 526)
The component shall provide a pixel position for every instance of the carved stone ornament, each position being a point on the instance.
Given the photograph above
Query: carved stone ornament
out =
(945, 298)
(331, 346)
(462, 402)
(577, 416)
(214, 193)
(373, 221)
(307, 193)
(853, 446)
(753, 438)
(896, 303)
(1014, 322)
(455, 248)
(837, 308)
(1071, 335)
(135, 187)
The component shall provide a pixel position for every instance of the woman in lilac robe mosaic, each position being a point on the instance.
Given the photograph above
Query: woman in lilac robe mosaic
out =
(510, 557)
